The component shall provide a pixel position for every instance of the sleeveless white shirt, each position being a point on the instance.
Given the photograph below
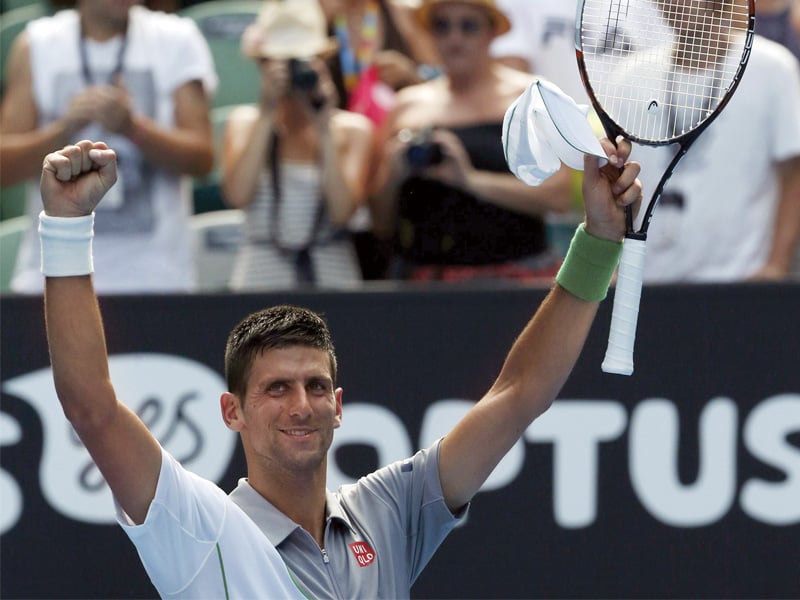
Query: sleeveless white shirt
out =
(142, 238)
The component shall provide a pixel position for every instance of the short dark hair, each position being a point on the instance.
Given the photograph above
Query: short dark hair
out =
(275, 327)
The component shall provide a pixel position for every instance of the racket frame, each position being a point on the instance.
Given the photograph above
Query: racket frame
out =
(619, 355)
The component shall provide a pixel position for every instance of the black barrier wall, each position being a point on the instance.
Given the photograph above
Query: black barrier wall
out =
(680, 481)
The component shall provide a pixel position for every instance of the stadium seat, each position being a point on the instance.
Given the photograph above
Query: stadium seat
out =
(14, 4)
(11, 232)
(216, 238)
(12, 201)
(12, 22)
(206, 190)
(222, 23)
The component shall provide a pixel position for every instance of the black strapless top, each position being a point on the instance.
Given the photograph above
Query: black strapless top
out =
(442, 225)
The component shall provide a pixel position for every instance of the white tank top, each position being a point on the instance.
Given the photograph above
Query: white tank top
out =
(142, 238)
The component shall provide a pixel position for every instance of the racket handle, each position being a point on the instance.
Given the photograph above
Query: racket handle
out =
(619, 353)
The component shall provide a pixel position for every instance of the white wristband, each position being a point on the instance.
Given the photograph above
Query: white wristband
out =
(66, 245)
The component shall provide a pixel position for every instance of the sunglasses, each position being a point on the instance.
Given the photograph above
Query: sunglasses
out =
(468, 26)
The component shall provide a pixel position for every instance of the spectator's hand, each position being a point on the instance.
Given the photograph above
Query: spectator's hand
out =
(324, 98)
(396, 69)
(456, 168)
(274, 82)
(82, 111)
(75, 178)
(606, 194)
(394, 153)
(114, 108)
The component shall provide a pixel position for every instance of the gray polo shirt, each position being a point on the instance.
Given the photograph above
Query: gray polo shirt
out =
(380, 532)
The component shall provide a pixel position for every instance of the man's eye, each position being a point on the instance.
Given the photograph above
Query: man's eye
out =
(319, 387)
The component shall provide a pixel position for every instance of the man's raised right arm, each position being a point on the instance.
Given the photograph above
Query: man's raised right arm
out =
(74, 180)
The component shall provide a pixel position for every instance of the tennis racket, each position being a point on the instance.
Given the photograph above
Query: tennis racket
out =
(657, 72)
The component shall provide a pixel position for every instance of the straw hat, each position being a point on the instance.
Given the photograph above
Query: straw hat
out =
(288, 29)
(499, 18)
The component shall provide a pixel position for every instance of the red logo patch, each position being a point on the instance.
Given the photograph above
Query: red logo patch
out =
(363, 553)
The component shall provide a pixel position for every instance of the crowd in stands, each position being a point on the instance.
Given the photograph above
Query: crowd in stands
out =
(370, 149)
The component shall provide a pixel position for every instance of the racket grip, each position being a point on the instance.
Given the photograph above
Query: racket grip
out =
(619, 352)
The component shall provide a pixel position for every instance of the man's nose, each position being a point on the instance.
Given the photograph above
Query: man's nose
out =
(299, 403)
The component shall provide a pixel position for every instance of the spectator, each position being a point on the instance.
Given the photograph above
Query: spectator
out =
(381, 50)
(295, 162)
(779, 20)
(379, 41)
(442, 189)
(136, 79)
(367, 540)
(542, 41)
(731, 210)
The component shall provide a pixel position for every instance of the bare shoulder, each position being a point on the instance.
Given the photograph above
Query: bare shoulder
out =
(351, 130)
(510, 83)
(427, 94)
(244, 114)
(241, 120)
(351, 122)
(514, 81)
(422, 91)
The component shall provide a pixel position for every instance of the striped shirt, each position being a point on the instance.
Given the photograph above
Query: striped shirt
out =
(264, 264)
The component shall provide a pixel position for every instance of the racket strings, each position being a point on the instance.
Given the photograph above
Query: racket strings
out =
(659, 68)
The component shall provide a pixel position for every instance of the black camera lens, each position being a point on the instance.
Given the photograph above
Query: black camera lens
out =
(302, 76)
(425, 154)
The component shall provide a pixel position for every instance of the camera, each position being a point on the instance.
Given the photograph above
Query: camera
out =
(422, 151)
(302, 76)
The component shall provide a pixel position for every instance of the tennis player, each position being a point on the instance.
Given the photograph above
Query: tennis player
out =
(367, 540)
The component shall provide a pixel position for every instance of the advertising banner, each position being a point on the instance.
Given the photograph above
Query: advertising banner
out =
(682, 480)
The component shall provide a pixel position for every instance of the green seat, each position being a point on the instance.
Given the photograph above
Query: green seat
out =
(12, 201)
(9, 5)
(207, 190)
(222, 23)
(12, 22)
(11, 233)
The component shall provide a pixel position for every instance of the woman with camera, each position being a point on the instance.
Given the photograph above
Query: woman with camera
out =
(294, 162)
(442, 189)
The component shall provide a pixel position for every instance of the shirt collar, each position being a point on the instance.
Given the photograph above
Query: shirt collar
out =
(271, 521)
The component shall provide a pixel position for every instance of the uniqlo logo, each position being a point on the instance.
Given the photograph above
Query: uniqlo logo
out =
(363, 553)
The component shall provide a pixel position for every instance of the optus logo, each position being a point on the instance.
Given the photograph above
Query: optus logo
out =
(577, 430)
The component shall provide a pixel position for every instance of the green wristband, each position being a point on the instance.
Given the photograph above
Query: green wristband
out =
(589, 266)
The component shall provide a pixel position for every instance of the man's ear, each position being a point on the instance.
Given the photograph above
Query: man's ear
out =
(337, 395)
(231, 409)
